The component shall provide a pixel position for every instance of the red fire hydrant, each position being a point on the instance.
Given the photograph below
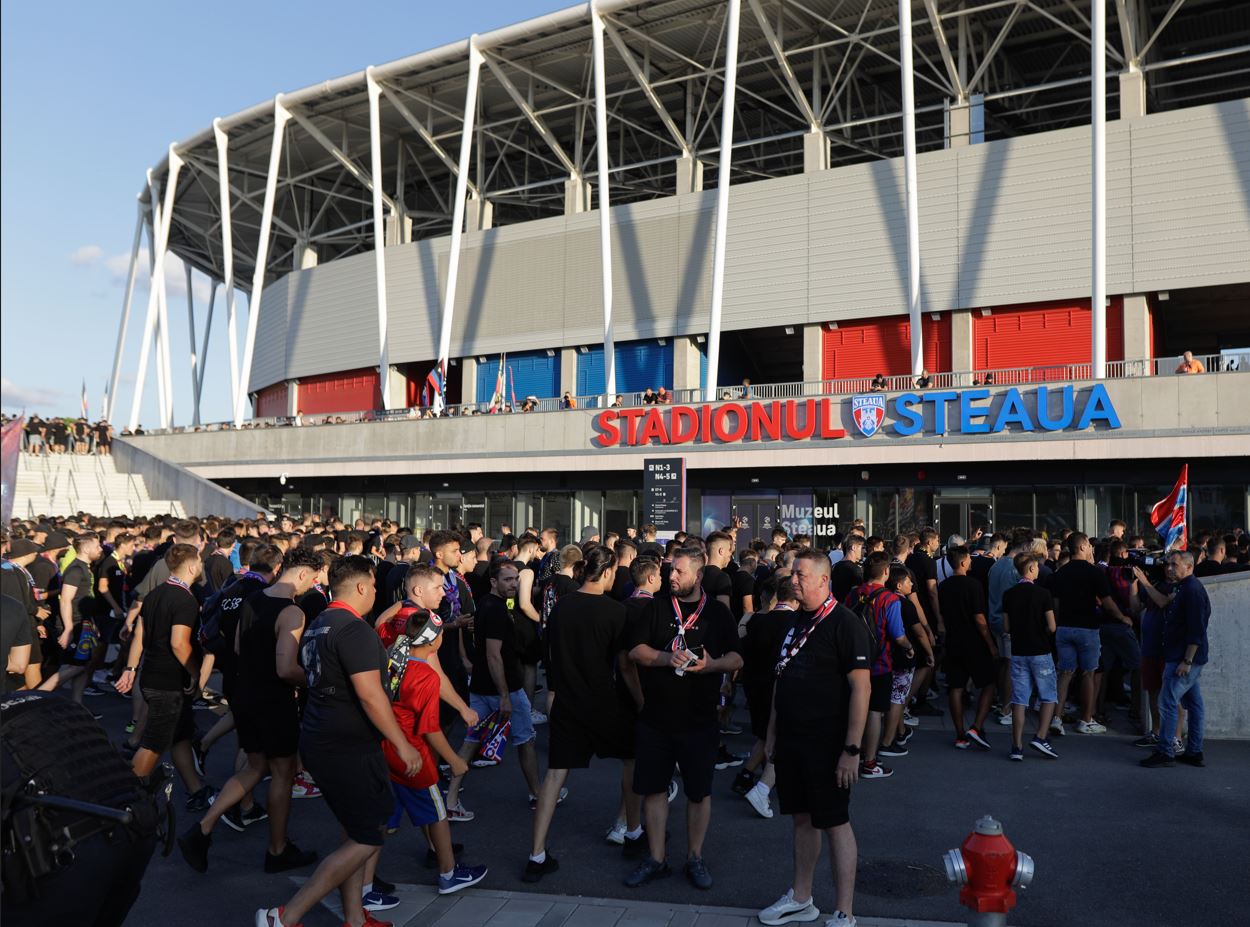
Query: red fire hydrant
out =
(989, 868)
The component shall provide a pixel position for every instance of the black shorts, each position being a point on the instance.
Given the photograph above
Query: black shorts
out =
(357, 789)
(806, 776)
(658, 751)
(960, 667)
(879, 699)
(169, 720)
(266, 724)
(760, 706)
(573, 742)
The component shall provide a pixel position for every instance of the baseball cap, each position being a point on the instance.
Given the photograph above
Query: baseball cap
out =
(56, 540)
(409, 541)
(23, 547)
(589, 533)
(466, 547)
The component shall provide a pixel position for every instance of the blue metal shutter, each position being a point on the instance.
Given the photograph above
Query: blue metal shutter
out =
(639, 365)
(533, 373)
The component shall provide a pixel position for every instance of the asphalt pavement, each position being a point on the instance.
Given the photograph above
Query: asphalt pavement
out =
(1114, 844)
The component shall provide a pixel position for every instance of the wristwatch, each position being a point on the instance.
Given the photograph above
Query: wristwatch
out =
(851, 749)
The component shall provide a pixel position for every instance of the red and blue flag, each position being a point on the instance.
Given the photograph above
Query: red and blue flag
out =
(1168, 516)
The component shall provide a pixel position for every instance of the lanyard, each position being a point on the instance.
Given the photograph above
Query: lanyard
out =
(642, 594)
(792, 651)
(339, 603)
(684, 625)
(175, 581)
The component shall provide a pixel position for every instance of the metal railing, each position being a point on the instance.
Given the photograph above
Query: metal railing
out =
(836, 387)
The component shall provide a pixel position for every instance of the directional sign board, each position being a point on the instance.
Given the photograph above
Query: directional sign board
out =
(664, 493)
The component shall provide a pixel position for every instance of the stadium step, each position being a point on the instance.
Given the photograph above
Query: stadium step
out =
(65, 484)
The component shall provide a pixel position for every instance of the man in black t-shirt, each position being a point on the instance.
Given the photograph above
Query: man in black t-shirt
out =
(820, 708)
(217, 566)
(682, 645)
(588, 657)
(970, 649)
(847, 573)
(716, 581)
(626, 551)
(79, 636)
(1079, 588)
(166, 641)
(348, 715)
(497, 684)
(742, 594)
(1029, 617)
(922, 565)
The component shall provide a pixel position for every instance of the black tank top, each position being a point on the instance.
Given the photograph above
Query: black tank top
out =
(258, 644)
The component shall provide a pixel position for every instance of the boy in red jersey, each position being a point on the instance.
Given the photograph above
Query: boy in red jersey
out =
(417, 709)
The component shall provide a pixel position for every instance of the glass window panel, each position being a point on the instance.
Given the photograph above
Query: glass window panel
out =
(882, 517)
(473, 508)
(499, 512)
(1013, 508)
(528, 513)
(618, 510)
(1056, 509)
(375, 503)
(1218, 509)
(557, 512)
(1112, 501)
(915, 509)
(586, 512)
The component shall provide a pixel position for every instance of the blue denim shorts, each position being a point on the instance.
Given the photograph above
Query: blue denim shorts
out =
(522, 722)
(1079, 648)
(1029, 673)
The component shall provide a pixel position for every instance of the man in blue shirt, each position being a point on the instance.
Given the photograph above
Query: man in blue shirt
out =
(1184, 656)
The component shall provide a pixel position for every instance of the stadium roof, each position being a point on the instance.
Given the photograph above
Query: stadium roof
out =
(832, 64)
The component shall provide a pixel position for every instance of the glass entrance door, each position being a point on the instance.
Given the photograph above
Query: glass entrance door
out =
(445, 513)
(756, 518)
(962, 514)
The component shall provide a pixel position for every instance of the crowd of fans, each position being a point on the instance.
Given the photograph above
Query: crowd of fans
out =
(348, 659)
(42, 436)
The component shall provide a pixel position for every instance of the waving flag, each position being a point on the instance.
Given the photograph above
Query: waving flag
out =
(10, 447)
(497, 397)
(1168, 516)
(84, 399)
(434, 383)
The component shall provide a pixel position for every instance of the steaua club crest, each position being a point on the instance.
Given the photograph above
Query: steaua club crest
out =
(869, 413)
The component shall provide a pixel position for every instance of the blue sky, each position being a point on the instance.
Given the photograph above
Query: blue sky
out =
(92, 95)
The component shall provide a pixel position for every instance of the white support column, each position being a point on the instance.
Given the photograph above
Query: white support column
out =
(605, 214)
(125, 320)
(722, 195)
(913, 200)
(208, 330)
(1098, 102)
(227, 258)
(280, 117)
(457, 222)
(379, 235)
(195, 365)
(149, 321)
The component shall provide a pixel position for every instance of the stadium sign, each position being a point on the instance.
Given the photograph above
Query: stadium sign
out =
(934, 412)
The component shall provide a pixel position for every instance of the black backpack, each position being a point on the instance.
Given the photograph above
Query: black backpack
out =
(211, 637)
(863, 606)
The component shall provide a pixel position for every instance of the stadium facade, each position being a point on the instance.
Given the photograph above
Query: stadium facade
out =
(798, 194)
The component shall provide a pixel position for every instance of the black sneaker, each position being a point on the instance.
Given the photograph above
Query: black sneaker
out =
(978, 738)
(725, 759)
(635, 847)
(292, 857)
(743, 783)
(894, 749)
(1191, 759)
(648, 871)
(905, 739)
(1157, 759)
(238, 819)
(383, 886)
(234, 819)
(431, 860)
(194, 845)
(696, 872)
(198, 802)
(535, 871)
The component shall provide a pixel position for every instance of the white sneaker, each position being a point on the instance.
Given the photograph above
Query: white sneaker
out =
(267, 917)
(458, 813)
(758, 797)
(616, 833)
(840, 920)
(1178, 746)
(537, 717)
(786, 910)
(1090, 727)
(909, 719)
(1005, 720)
(1056, 726)
(672, 790)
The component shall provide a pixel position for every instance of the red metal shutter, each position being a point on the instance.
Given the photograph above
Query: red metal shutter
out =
(272, 401)
(347, 391)
(1046, 334)
(863, 349)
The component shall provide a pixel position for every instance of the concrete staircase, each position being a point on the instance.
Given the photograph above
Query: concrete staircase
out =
(65, 484)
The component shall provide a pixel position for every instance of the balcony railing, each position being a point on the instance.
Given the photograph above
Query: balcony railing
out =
(843, 386)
